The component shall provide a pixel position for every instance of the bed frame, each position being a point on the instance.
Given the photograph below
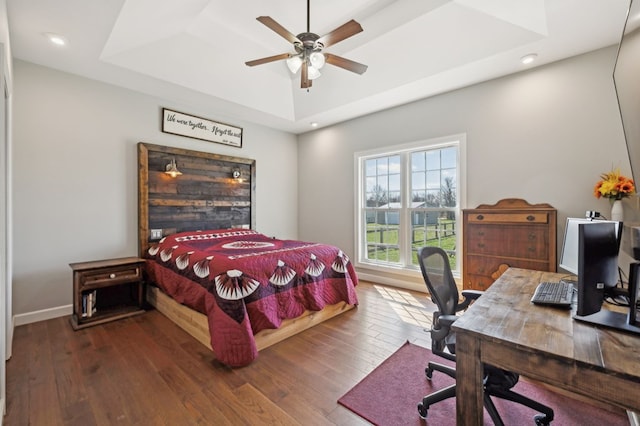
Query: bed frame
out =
(196, 324)
(205, 196)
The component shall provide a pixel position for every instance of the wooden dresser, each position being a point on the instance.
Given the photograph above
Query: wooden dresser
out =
(510, 233)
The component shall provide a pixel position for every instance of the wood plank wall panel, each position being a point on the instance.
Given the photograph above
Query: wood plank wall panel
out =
(205, 196)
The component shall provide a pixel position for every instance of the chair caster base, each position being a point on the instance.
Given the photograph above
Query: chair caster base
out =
(422, 411)
(542, 420)
(429, 373)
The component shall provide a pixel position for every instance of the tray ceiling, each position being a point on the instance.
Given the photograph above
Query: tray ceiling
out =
(192, 52)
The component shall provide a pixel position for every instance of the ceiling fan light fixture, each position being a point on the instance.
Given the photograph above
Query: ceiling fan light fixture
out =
(308, 49)
(294, 63)
(317, 60)
(313, 72)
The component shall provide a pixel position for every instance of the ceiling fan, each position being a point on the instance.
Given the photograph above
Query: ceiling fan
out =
(309, 55)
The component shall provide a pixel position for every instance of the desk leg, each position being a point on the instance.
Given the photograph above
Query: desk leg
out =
(469, 372)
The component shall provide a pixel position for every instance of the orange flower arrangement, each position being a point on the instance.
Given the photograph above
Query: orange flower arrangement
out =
(614, 186)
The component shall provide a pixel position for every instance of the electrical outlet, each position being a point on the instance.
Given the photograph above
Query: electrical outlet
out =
(156, 234)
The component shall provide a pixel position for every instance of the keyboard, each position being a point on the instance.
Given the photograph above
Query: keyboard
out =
(554, 294)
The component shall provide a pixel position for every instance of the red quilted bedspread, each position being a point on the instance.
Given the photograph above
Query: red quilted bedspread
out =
(245, 282)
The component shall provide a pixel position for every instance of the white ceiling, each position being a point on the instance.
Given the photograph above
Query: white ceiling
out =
(193, 52)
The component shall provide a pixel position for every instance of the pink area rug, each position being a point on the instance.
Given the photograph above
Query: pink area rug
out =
(390, 394)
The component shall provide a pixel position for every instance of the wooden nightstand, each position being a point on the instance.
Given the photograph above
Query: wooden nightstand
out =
(106, 290)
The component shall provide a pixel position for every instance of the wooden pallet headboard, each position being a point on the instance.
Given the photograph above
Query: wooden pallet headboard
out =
(205, 196)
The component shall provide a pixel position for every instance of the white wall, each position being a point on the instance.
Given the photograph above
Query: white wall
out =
(75, 178)
(544, 135)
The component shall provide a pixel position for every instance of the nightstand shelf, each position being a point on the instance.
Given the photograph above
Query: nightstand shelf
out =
(106, 290)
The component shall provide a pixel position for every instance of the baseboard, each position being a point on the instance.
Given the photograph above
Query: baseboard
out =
(377, 279)
(44, 314)
(9, 340)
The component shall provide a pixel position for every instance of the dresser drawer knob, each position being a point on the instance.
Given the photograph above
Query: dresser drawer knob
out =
(480, 217)
(531, 218)
(112, 276)
(532, 237)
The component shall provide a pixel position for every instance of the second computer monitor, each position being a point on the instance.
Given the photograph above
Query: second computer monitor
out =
(598, 244)
(570, 248)
(597, 270)
(634, 297)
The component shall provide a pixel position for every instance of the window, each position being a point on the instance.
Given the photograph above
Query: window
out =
(408, 198)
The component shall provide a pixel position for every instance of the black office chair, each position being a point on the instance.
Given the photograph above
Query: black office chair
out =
(434, 264)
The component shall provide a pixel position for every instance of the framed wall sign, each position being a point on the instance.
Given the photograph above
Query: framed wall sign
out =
(178, 123)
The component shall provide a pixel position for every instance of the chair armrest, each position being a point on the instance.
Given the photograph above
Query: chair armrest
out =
(446, 320)
(469, 296)
(472, 294)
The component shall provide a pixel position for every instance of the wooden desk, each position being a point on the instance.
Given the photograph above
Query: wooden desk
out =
(505, 329)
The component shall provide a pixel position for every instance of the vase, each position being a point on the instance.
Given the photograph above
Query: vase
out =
(617, 212)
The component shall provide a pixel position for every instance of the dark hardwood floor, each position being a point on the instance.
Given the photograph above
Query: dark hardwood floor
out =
(144, 370)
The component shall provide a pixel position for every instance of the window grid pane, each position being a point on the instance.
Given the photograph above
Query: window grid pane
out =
(382, 235)
(434, 228)
(382, 181)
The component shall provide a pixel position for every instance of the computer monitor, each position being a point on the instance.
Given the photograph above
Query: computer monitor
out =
(630, 244)
(569, 254)
(634, 296)
(598, 245)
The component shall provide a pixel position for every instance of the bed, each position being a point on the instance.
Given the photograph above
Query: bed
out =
(234, 289)
(246, 282)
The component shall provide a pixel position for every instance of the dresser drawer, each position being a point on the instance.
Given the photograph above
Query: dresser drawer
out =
(488, 266)
(110, 276)
(478, 282)
(529, 242)
(519, 217)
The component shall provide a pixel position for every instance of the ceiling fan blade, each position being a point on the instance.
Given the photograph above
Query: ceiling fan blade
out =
(345, 63)
(305, 83)
(340, 33)
(273, 25)
(267, 59)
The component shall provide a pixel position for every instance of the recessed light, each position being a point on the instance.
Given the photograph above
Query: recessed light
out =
(56, 39)
(314, 124)
(527, 59)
